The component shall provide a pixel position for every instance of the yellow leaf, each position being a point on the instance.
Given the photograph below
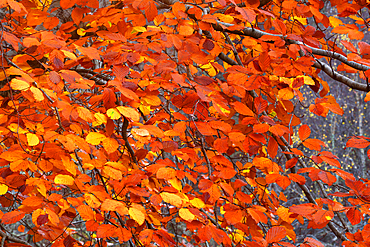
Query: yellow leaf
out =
(95, 138)
(37, 94)
(17, 84)
(335, 21)
(3, 189)
(171, 199)
(63, 179)
(129, 112)
(198, 203)
(13, 127)
(307, 80)
(32, 139)
(100, 119)
(113, 114)
(138, 30)
(69, 55)
(176, 183)
(186, 214)
(81, 32)
(137, 215)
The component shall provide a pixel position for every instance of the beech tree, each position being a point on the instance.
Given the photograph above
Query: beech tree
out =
(174, 123)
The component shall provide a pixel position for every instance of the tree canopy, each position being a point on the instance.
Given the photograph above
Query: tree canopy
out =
(176, 123)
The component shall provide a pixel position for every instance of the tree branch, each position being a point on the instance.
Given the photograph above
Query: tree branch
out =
(255, 33)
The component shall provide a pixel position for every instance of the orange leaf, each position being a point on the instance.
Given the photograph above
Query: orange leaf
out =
(129, 112)
(171, 199)
(166, 173)
(32, 201)
(303, 209)
(105, 231)
(243, 109)
(314, 144)
(91, 52)
(304, 132)
(327, 177)
(111, 205)
(110, 145)
(12, 217)
(275, 234)
(247, 13)
(66, 4)
(358, 142)
(236, 136)
(85, 212)
(286, 94)
(261, 128)
(123, 234)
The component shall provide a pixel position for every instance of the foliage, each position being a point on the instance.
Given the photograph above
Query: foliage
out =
(165, 122)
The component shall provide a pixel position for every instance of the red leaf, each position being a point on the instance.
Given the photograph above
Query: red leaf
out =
(354, 216)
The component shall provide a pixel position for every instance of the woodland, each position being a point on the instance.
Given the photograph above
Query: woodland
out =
(184, 123)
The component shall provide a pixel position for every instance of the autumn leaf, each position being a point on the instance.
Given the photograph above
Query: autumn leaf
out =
(358, 142)
(243, 109)
(64, 179)
(85, 212)
(3, 189)
(12, 217)
(185, 214)
(95, 138)
(304, 132)
(314, 144)
(18, 84)
(137, 215)
(166, 173)
(32, 139)
(129, 112)
(275, 234)
(171, 199)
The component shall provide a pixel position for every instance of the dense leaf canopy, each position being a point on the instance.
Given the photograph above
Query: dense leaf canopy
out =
(174, 123)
